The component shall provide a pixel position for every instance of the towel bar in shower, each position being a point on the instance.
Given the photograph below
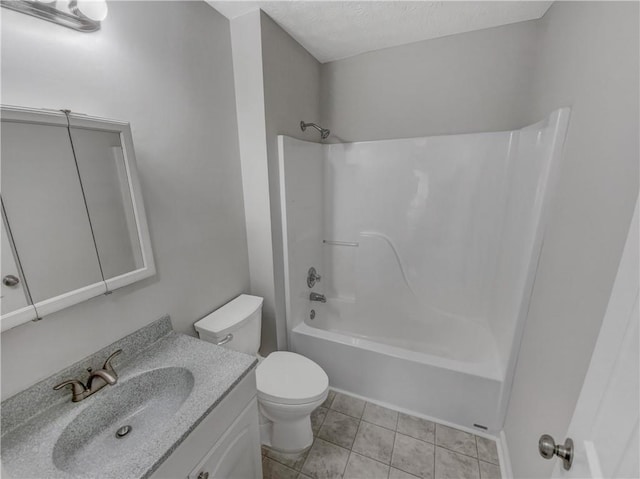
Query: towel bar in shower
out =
(340, 243)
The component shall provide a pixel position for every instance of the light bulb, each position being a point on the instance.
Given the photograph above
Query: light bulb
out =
(93, 9)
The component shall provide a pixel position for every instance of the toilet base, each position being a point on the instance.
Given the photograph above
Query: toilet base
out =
(286, 437)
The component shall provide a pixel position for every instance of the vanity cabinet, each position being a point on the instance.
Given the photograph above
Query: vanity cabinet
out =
(232, 456)
(225, 445)
(72, 211)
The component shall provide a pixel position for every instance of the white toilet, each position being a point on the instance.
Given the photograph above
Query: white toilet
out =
(290, 386)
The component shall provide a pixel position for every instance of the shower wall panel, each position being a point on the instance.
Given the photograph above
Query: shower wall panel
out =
(427, 215)
(301, 192)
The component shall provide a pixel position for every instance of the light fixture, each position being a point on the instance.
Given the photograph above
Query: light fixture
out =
(80, 15)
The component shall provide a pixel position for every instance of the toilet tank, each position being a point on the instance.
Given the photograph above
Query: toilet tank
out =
(236, 325)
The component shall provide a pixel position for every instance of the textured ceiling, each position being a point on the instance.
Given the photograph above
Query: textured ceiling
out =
(331, 30)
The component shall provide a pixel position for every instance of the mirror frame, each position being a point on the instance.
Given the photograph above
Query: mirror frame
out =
(123, 129)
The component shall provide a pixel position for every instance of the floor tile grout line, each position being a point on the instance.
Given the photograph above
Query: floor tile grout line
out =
(334, 444)
(308, 454)
(410, 473)
(374, 424)
(393, 448)
(475, 440)
(367, 457)
(283, 465)
(329, 440)
(324, 419)
(435, 449)
(386, 429)
(346, 414)
(484, 460)
(451, 450)
(417, 438)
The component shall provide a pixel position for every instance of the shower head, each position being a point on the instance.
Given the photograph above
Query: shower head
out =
(324, 133)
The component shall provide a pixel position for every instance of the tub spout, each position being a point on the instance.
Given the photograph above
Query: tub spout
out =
(318, 297)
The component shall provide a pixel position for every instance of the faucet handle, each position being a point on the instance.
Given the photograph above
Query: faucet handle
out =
(107, 364)
(312, 277)
(77, 388)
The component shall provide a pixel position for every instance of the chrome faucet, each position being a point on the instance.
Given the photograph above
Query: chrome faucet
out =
(318, 297)
(97, 380)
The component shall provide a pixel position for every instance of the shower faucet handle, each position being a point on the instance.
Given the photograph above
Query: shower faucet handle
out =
(312, 277)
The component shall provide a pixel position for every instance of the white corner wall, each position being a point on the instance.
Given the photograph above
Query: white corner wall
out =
(166, 67)
(277, 85)
(588, 55)
(247, 69)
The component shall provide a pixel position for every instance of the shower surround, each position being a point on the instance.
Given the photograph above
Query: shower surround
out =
(428, 250)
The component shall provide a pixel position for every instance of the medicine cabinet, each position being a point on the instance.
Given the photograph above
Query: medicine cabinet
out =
(73, 220)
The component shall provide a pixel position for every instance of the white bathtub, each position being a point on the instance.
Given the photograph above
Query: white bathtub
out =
(466, 393)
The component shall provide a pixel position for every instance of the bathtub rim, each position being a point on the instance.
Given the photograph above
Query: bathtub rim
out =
(473, 369)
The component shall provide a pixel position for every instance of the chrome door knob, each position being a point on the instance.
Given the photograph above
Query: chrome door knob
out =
(548, 448)
(10, 280)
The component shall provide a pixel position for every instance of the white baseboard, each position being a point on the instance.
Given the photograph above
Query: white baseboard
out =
(505, 459)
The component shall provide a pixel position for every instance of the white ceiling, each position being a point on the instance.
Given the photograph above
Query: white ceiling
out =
(332, 30)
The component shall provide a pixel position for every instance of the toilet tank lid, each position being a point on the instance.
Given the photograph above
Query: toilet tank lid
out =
(230, 316)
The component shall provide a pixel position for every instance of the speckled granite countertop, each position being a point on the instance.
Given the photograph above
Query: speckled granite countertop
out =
(33, 420)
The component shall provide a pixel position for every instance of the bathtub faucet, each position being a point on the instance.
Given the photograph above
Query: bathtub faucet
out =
(317, 297)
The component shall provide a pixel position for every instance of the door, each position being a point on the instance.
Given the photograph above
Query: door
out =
(604, 426)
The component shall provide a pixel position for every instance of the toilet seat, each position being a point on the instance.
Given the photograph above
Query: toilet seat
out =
(289, 378)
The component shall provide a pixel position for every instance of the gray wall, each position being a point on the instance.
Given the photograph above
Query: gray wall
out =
(291, 94)
(588, 59)
(166, 67)
(478, 81)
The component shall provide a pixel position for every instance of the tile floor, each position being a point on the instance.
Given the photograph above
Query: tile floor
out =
(354, 439)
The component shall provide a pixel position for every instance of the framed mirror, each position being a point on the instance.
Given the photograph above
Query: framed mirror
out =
(72, 208)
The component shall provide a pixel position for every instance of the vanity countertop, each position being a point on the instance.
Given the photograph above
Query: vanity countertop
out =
(31, 430)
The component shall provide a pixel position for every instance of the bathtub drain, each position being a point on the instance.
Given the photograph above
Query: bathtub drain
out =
(123, 431)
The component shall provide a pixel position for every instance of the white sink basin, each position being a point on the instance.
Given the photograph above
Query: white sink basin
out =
(89, 444)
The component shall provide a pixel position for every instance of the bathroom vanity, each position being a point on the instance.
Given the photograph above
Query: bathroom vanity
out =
(181, 408)
(225, 445)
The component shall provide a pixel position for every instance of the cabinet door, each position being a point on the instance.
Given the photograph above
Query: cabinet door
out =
(237, 454)
(103, 174)
(14, 301)
(46, 211)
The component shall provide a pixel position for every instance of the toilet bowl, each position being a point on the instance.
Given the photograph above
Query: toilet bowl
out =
(289, 385)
